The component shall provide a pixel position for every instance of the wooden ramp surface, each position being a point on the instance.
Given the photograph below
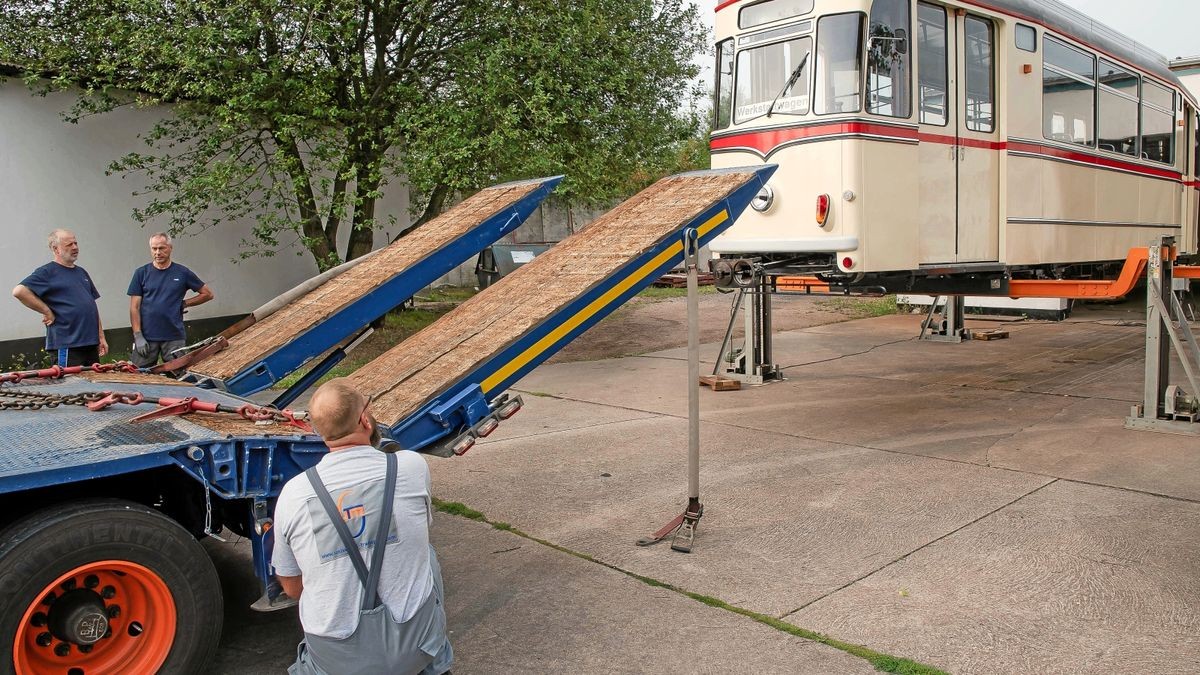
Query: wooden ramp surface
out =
(271, 333)
(411, 374)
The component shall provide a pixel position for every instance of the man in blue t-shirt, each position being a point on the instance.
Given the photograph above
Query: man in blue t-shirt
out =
(157, 303)
(63, 293)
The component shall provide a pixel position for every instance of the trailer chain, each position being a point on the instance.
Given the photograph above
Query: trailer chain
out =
(34, 400)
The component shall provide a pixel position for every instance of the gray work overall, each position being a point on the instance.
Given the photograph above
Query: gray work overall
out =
(380, 644)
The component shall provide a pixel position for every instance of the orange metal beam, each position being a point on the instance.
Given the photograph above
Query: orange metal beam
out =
(801, 284)
(1085, 289)
(1068, 289)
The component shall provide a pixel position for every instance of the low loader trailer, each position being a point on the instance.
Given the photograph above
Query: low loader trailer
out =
(110, 476)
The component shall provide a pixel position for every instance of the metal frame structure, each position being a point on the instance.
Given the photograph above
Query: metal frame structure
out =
(1166, 407)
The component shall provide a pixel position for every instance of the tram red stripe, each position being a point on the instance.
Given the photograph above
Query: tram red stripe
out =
(722, 4)
(766, 141)
(968, 142)
(1093, 159)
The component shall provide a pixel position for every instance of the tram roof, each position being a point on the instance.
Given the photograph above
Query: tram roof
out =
(1075, 24)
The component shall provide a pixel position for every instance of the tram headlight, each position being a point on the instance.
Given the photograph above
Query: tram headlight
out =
(763, 200)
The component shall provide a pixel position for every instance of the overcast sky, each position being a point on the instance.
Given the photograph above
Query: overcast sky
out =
(1170, 27)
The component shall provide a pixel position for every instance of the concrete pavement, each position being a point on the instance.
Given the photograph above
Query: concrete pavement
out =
(975, 507)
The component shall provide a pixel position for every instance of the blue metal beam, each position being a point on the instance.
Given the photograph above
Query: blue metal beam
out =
(370, 306)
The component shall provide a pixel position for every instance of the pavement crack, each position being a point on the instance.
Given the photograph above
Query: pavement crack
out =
(845, 356)
(927, 544)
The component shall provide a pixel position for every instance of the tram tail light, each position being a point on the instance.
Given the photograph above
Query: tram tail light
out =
(822, 209)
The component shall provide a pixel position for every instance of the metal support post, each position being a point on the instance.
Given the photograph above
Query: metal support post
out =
(684, 525)
(1166, 407)
(952, 327)
(755, 364)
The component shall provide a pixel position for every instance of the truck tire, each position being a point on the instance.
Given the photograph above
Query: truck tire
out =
(106, 586)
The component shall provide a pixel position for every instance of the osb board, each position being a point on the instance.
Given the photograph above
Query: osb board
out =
(412, 373)
(131, 378)
(276, 330)
(232, 425)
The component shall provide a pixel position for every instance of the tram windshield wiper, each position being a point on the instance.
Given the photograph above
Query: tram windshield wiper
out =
(790, 81)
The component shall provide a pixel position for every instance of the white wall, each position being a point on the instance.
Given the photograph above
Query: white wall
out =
(52, 175)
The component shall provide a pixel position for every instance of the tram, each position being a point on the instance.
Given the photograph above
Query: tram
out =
(964, 141)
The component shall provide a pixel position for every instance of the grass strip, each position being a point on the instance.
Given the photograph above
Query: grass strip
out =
(882, 662)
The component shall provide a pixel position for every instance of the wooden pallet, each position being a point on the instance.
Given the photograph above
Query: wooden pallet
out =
(719, 383)
(994, 334)
(679, 280)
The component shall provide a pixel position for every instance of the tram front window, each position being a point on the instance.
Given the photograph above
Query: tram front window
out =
(839, 63)
(723, 106)
(762, 73)
(887, 59)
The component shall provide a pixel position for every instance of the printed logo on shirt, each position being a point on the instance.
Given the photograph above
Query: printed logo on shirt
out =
(359, 508)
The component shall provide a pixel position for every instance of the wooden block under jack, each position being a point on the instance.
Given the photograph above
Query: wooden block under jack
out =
(995, 334)
(719, 383)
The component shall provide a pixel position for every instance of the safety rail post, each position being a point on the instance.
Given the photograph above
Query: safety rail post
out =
(1165, 407)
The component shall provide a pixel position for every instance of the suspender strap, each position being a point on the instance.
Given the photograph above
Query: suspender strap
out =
(369, 579)
(371, 596)
(338, 524)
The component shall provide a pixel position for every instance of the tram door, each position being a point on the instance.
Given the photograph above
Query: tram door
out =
(959, 159)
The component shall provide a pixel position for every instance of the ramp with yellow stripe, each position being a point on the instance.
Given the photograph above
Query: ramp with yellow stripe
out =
(443, 381)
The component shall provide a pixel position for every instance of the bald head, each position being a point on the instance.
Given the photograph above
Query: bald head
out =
(335, 409)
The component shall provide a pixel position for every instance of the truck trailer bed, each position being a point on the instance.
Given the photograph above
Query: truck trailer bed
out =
(68, 443)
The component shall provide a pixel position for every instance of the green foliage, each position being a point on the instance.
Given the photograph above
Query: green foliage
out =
(298, 115)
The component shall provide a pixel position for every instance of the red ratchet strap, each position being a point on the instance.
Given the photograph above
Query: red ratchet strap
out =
(168, 407)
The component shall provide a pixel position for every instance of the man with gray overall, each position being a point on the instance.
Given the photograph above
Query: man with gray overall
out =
(365, 607)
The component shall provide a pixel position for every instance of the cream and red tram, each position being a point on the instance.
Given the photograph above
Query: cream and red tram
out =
(948, 146)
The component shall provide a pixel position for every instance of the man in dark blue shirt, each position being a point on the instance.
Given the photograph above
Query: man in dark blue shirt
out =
(156, 303)
(63, 293)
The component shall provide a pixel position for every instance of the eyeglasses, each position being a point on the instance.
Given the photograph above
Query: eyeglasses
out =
(366, 404)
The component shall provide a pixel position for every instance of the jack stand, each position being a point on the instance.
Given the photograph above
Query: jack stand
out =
(754, 363)
(951, 326)
(684, 525)
(1166, 408)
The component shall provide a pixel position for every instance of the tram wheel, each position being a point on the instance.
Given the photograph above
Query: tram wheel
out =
(106, 586)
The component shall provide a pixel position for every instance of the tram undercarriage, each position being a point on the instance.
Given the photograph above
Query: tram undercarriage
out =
(1165, 407)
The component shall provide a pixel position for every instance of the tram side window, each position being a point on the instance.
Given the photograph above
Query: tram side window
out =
(1026, 38)
(1118, 96)
(931, 64)
(1158, 123)
(981, 76)
(762, 73)
(888, 59)
(723, 105)
(1068, 94)
(839, 63)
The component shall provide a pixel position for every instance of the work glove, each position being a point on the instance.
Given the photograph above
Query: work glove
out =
(140, 346)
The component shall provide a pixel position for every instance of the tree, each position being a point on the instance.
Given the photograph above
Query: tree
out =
(299, 113)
